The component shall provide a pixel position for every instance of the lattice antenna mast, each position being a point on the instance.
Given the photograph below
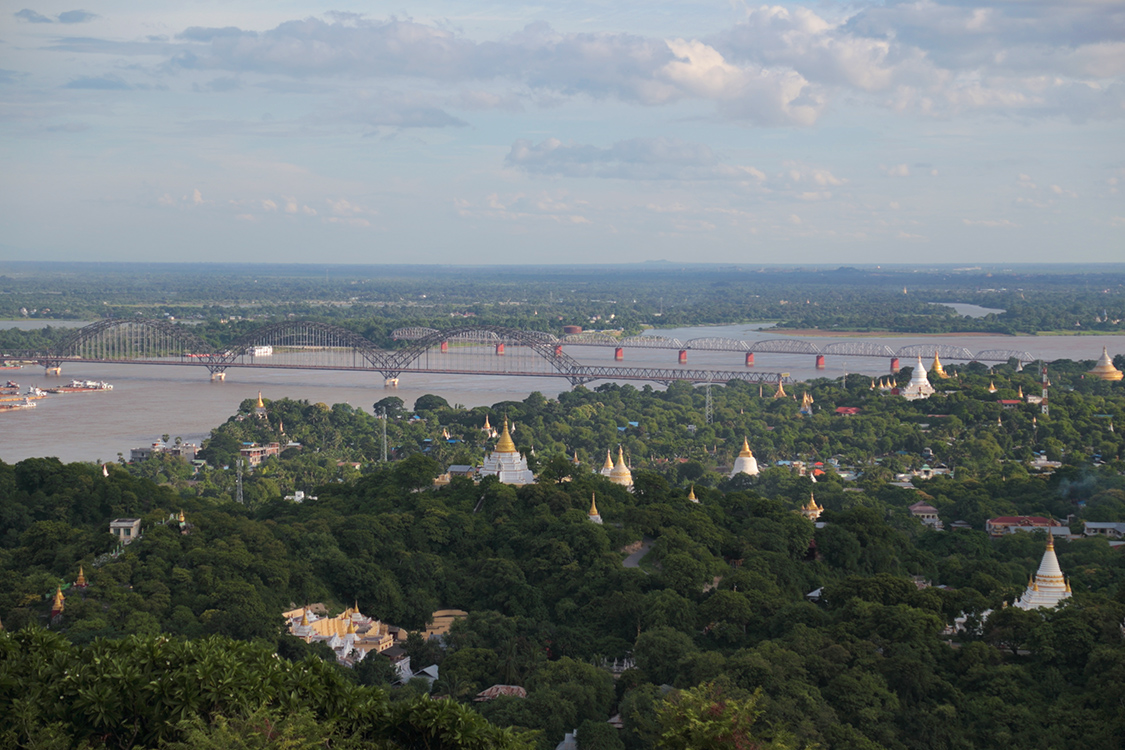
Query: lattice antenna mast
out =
(238, 482)
(707, 407)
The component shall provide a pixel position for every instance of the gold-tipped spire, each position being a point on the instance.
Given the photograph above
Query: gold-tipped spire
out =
(305, 616)
(872, 383)
(593, 506)
(991, 387)
(1068, 586)
(487, 427)
(351, 627)
(506, 445)
(691, 494)
(181, 517)
(81, 580)
(608, 460)
(1050, 540)
(780, 390)
(1019, 393)
(745, 452)
(936, 369)
(57, 605)
(261, 404)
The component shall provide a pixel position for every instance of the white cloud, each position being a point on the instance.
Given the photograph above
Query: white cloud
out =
(993, 223)
(269, 205)
(197, 197)
(897, 170)
(633, 159)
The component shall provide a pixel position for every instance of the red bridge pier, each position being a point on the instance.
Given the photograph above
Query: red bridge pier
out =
(444, 346)
(683, 356)
(558, 350)
(894, 365)
(749, 359)
(820, 361)
(499, 350)
(619, 353)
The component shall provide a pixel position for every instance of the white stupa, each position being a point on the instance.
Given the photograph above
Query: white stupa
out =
(607, 467)
(1048, 587)
(620, 473)
(593, 515)
(506, 463)
(919, 385)
(745, 463)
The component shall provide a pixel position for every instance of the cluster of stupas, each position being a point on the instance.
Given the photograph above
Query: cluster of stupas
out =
(351, 634)
(617, 473)
(1047, 587)
(506, 463)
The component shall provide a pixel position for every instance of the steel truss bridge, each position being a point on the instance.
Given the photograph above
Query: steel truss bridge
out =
(308, 345)
(770, 346)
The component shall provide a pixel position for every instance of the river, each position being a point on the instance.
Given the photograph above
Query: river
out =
(148, 401)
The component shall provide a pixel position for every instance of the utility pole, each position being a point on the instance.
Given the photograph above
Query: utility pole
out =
(238, 482)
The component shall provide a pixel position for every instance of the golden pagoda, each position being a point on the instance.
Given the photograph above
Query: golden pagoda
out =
(487, 427)
(936, 369)
(1104, 369)
(811, 510)
(260, 407)
(991, 387)
(80, 582)
(780, 390)
(57, 606)
(506, 445)
(593, 515)
(607, 467)
(691, 495)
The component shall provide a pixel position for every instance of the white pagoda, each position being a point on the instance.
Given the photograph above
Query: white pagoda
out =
(1047, 587)
(506, 463)
(620, 474)
(745, 463)
(919, 385)
(593, 515)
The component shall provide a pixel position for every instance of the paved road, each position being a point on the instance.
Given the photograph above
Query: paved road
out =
(634, 560)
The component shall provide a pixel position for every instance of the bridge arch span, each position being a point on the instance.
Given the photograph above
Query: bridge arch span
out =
(132, 338)
(306, 334)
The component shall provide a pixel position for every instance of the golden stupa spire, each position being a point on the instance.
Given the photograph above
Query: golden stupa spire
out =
(57, 605)
(936, 368)
(691, 494)
(506, 445)
(304, 615)
(181, 518)
(991, 387)
(872, 383)
(620, 456)
(261, 404)
(1104, 369)
(608, 460)
(1068, 586)
(81, 581)
(1019, 393)
(780, 390)
(1050, 541)
(593, 506)
(745, 452)
(351, 626)
(487, 427)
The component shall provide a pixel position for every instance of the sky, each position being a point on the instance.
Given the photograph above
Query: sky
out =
(585, 131)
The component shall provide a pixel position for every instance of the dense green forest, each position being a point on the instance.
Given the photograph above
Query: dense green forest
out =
(716, 618)
(225, 301)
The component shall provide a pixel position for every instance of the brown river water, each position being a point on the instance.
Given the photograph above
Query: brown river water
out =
(181, 401)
